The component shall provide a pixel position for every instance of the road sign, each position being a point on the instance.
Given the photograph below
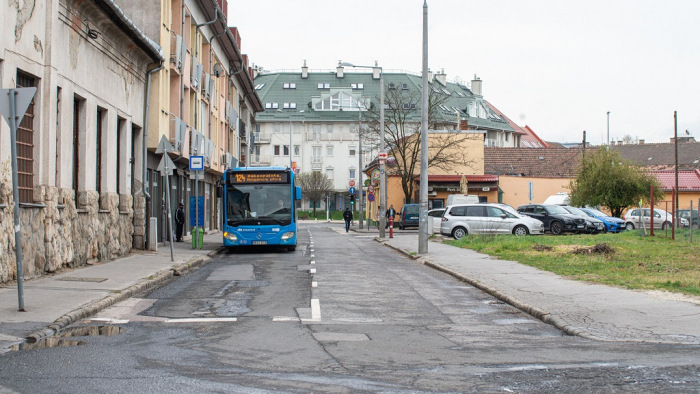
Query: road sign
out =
(166, 162)
(367, 181)
(351, 183)
(370, 197)
(196, 163)
(164, 145)
(382, 155)
(370, 189)
(376, 175)
(23, 97)
(352, 190)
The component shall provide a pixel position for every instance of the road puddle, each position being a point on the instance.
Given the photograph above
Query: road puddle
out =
(45, 343)
(105, 331)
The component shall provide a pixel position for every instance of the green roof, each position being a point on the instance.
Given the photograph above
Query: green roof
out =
(271, 90)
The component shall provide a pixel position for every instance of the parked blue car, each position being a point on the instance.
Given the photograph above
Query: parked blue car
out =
(612, 224)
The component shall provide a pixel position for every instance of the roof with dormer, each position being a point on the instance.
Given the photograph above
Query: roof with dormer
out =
(288, 96)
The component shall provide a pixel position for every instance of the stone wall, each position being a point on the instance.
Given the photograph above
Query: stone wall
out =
(57, 235)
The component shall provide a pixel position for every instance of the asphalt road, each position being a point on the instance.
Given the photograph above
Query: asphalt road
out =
(367, 320)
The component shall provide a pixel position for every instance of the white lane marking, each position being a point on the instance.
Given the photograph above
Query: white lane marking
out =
(312, 271)
(315, 309)
(108, 320)
(284, 318)
(314, 284)
(203, 320)
(313, 262)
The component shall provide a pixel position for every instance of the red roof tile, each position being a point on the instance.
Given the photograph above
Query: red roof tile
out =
(687, 180)
(543, 163)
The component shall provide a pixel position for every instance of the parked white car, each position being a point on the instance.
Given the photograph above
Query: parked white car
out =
(435, 219)
(662, 219)
(462, 219)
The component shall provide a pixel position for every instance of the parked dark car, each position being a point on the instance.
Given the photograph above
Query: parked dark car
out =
(612, 224)
(409, 215)
(555, 218)
(593, 225)
(685, 213)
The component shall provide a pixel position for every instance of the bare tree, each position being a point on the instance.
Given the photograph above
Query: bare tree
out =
(403, 135)
(315, 186)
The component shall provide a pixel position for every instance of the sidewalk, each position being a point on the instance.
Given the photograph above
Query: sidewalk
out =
(578, 308)
(52, 302)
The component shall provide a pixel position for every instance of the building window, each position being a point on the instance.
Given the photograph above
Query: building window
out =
(297, 150)
(329, 128)
(277, 150)
(120, 127)
(352, 151)
(404, 86)
(286, 150)
(289, 85)
(268, 105)
(352, 173)
(392, 86)
(357, 86)
(98, 149)
(285, 105)
(25, 145)
(78, 124)
(329, 173)
(275, 105)
(324, 85)
(276, 128)
(329, 150)
(317, 132)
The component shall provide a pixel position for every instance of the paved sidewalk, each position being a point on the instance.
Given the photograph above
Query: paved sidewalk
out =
(52, 302)
(589, 310)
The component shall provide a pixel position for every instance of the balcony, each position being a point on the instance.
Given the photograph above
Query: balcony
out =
(260, 160)
(316, 163)
(262, 138)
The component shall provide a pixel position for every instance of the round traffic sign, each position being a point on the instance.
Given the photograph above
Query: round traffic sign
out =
(352, 190)
(370, 189)
(351, 183)
(370, 197)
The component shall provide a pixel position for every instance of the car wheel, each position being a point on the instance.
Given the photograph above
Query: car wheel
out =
(605, 229)
(556, 228)
(520, 230)
(629, 226)
(459, 232)
(665, 225)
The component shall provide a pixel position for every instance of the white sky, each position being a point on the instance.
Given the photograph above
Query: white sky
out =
(555, 65)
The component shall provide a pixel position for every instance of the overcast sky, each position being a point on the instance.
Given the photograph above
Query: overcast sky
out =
(557, 66)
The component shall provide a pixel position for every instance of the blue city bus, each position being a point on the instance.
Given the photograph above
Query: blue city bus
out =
(259, 207)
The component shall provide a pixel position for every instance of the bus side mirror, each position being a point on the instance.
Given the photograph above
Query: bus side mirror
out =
(297, 193)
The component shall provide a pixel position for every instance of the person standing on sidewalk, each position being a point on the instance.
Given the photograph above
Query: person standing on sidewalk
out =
(179, 222)
(390, 213)
(347, 215)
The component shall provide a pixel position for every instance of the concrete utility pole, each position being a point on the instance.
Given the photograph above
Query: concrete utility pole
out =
(676, 219)
(423, 222)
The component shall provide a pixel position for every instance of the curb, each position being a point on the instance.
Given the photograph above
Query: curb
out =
(143, 285)
(533, 311)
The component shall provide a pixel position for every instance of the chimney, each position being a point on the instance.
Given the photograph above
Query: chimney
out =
(612, 142)
(441, 77)
(641, 141)
(339, 70)
(431, 75)
(476, 86)
(464, 124)
(304, 71)
(376, 70)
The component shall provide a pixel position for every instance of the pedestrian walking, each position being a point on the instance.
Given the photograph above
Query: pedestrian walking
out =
(179, 222)
(347, 215)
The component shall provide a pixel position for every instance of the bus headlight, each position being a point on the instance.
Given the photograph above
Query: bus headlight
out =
(230, 236)
(287, 235)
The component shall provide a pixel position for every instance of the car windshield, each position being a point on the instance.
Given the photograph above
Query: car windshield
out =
(509, 209)
(576, 211)
(556, 210)
(596, 212)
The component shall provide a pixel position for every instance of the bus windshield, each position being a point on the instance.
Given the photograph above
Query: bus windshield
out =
(258, 204)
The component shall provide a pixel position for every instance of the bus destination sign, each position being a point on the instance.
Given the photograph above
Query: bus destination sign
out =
(258, 177)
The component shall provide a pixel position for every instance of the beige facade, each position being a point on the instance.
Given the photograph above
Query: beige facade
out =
(516, 189)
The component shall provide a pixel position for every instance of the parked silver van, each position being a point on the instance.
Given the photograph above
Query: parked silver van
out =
(489, 218)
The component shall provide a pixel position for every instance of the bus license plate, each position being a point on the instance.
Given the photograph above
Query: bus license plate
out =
(259, 242)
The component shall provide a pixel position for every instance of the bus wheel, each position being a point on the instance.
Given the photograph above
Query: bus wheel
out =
(291, 248)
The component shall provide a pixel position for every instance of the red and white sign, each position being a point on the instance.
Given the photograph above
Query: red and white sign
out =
(382, 155)
(351, 183)
(370, 189)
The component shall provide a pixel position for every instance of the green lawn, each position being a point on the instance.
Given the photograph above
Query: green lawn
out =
(632, 261)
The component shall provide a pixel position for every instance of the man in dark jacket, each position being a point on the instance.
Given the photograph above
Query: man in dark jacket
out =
(179, 222)
(347, 215)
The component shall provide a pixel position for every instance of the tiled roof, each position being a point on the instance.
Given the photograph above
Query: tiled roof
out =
(545, 163)
(687, 180)
(528, 138)
(457, 178)
(662, 156)
(271, 90)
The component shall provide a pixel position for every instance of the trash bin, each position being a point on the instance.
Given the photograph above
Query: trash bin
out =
(199, 236)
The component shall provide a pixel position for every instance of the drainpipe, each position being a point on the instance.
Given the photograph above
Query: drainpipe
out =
(145, 146)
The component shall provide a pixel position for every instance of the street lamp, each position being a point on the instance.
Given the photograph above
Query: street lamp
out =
(382, 169)
(608, 128)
